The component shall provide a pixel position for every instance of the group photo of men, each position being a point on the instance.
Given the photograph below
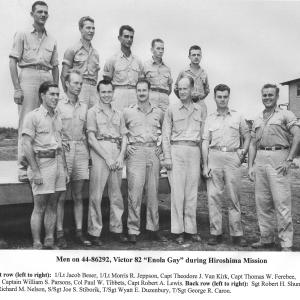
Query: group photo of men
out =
(78, 126)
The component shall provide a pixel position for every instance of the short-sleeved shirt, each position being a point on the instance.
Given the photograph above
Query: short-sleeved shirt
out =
(201, 86)
(83, 58)
(123, 70)
(143, 127)
(181, 123)
(29, 50)
(158, 74)
(225, 130)
(73, 119)
(105, 125)
(276, 130)
(45, 130)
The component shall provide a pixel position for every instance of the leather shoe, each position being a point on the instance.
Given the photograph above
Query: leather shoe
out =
(239, 241)
(195, 238)
(49, 244)
(261, 245)
(120, 237)
(286, 249)
(214, 240)
(132, 238)
(61, 242)
(179, 239)
(81, 240)
(96, 241)
(157, 236)
(3, 244)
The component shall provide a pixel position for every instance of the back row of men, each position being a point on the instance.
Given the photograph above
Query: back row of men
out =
(116, 131)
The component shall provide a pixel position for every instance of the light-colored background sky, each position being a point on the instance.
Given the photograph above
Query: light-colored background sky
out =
(245, 43)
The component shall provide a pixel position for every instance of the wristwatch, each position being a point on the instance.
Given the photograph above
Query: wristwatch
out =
(290, 160)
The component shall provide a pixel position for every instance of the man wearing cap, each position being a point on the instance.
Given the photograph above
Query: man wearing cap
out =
(35, 52)
(181, 137)
(159, 76)
(73, 115)
(83, 57)
(107, 139)
(143, 121)
(222, 157)
(124, 69)
(47, 169)
(195, 71)
(271, 154)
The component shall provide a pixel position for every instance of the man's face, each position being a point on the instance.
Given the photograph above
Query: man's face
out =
(222, 98)
(184, 89)
(269, 97)
(87, 31)
(126, 39)
(50, 98)
(158, 50)
(75, 84)
(195, 56)
(106, 93)
(40, 14)
(142, 92)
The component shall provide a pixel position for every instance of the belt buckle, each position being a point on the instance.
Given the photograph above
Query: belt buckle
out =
(273, 148)
(224, 149)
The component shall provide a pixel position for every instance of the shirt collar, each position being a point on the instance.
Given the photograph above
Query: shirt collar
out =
(66, 100)
(188, 68)
(276, 110)
(229, 112)
(85, 45)
(193, 106)
(121, 54)
(155, 63)
(151, 108)
(44, 111)
(101, 108)
(33, 30)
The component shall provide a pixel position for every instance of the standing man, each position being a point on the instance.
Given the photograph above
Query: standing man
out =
(272, 151)
(194, 70)
(47, 171)
(124, 69)
(181, 144)
(143, 121)
(159, 76)
(83, 57)
(35, 52)
(222, 158)
(73, 115)
(107, 139)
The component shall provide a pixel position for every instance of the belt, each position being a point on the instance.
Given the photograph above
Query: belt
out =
(110, 139)
(273, 148)
(186, 143)
(47, 153)
(150, 144)
(89, 81)
(160, 90)
(126, 86)
(37, 67)
(223, 148)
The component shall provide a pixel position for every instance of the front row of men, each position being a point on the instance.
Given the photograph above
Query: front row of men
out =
(56, 147)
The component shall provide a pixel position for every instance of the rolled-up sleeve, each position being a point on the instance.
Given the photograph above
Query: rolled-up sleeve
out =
(244, 128)
(166, 134)
(18, 46)
(108, 69)
(123, 129)
(91, 124)
(290, 119)
(54, 57)
(68, 57)
(29, 126)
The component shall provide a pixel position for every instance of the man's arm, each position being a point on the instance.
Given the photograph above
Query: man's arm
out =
(55, 74)
(166, 139)
(206, 171)
(120, 159)
(13, 68)
(64, 71)
(180, 75)
(251, 158)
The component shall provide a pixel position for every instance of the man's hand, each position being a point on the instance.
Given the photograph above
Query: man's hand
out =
(168, 164)
(111, 164)
(241, 154)
(158, 151)
(206, 172)
(284, 167)
(66, 146)
(37, 177)
(18, 97)
(130, 150)
(119, 163)
(251, 173)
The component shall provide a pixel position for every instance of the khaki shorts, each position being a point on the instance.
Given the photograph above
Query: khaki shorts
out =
(53, 174)
(77, 161)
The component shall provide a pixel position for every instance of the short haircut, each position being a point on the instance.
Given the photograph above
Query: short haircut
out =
(125, 27)
(36, 3)
(143, 80)
(156, 41)
(270, 85)
(104, 82)
(45, 86)
(194, 47)
(190, 79)
(221, 87)
(84, 19)
(72, 71)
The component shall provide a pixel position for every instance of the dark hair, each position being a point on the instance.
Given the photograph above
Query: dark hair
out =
(194, 47)
(72, 71)
(143, 80)
(125, 27)
(45, 86)
(156, 41)
(104, 82)
(270, 85)
(221, 88)
(83, 19)
(36, 3)
(190, 79)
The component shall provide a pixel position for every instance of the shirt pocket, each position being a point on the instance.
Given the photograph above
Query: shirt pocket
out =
(274, 126)
(234, 130)
(29, 53)
(215, 134)
(43, 134)
(136, 128)
(196, 123)
(79, 59)
(133, 73)
(179, 123)
(164, 81)
(47, 53)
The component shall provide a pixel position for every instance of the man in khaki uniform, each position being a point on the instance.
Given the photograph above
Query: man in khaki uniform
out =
(47, 170)
(195, 71)
(159, 76)
(83, 57)
(35, 52)
(124, 69)
(143, 121)
(271, 154)
(181, 137)
(73, 115)
(222, 157)
(107, 139)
